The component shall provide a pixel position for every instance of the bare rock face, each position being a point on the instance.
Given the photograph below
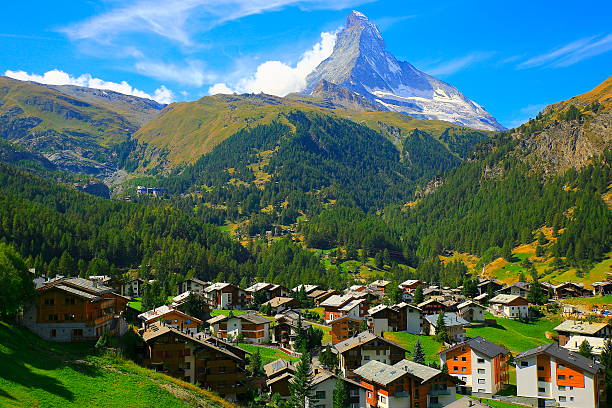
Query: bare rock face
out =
(361, 64)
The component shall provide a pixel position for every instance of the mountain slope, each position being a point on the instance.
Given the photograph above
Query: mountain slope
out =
(361, 64)
(188, 130)
(73, 134)
(135, 109)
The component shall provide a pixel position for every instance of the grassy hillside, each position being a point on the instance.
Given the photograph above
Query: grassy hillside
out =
(191, 129)
(36, 373)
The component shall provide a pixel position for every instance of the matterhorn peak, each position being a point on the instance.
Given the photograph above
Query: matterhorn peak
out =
(361, 63)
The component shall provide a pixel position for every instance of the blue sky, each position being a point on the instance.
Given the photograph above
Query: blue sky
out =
(511, 57)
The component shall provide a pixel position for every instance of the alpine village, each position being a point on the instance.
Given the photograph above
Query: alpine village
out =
(374, 240)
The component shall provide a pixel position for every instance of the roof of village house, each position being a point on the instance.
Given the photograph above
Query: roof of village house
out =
(258, 286)
(481, 297)
(468, 303)
(351, 305)
(82, 284)
(316, 293)
(279, 301)
(450, 320)
(401, 305)
(182, 297)
(286, 376)
(157, 330)
(423, 372)
(427, 302)
(409, 282)
(379, 373)
(217, 286)
(345, 317)
(337, 300)
(580, 327)
(480, 345)
(73, 291)
(505, 299)
(597, 344)
(467, 402)
(361, 338)
(249, 317)
(162, 311)
(372, 311)
(356, 287)
(321, 376)
(196, 280)
(307, 288)
(578, 284)
(569, 357)
(380, 282)
(277, 365)
(599, 283)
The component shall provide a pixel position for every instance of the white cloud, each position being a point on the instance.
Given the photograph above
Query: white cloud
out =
(189, 73)
(571, 53)
(220, 88)
(57, 77)
(177, 20)
(452, 66)
(278, 78)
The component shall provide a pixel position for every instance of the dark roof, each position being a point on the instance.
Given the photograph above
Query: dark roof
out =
(450, 320)
(481, 345)
(77, 292)
(85, 285)
(568, 357)
(362, 338)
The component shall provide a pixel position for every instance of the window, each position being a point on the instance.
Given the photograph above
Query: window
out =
(456, 368)
(481, 371)
(562, 388)
(77, 332)
(540, 368)
(481, 390)
(49, 301)
(463, 359)
(433, 400)
(366, 357)
(481, 381)
(524, 364)
(381, 398)
(68, 316)
(541, 379)
(571, 398)
(562, 398)
(53, 317)
(571, 377)
(53, 333)
(462, 368)
(69, 300)
(481, 361)
(560, 366)
(354, 392)
(455, 358)
(320, 395)
(561, 377)
(541, 389)
(369, 394)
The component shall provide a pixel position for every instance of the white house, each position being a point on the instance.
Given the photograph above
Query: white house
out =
(471, 311)
(511, 306)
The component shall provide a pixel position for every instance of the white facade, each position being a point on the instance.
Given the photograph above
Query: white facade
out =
(132, 288)
(413, 321)
(380, 325)
(323, 394)
(235, 327)
(527, 385)
(482, 378)
(513, 312)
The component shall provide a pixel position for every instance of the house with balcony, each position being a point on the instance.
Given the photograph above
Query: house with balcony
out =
(480, 364)
(455, 326)
(510, 306)
(254, 328)
(343, 305)
(203, 360)
(344, 328)
(401, 317)
(193, 285)
(322, 385)
(431, 307)
(223, 295)
(405, 384)
(265, 291)
(170, 317)
(571, 328)
(551, 375)
(286, 329)
(471, 311)
(75, 309)
(280, 304)
(357, 351)
(133, 287)
(278, 375)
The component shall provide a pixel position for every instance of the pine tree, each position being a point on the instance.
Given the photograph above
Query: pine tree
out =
(299, 386)
(256, 366)
(441, 330)
(536, 295)
(341, 394)
(328, 358)
(585, 349)
(418, 355)
(606, 360)
(418, 295)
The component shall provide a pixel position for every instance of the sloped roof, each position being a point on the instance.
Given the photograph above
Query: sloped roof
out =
(450, 320)
(564, 355)
(162, 311)
(580, 327)
(257, 287)
(217, 286)
(379, 373)
(278, 301)
(77, 292)
(468, 303)
(351, 305)
(423, 372)
(482, 346)
(277, 365)
(362, 338)
(597, 344)
(249, 317)
(336, 300)
(505, 299)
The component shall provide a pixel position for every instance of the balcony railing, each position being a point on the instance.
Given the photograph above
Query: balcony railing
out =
(439, 392)
(401, 394)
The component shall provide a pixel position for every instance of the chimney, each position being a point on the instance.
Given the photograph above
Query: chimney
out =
(470, 402)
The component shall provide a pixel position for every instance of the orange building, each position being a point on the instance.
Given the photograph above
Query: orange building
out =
(75, 309)
(170, 317)
(479, 363)
(344, 328)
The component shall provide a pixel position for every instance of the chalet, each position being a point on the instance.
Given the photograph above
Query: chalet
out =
(343, 305)
(517, 289)
(395, 318)
(268, 291)
(286, 328)
(344, 328)
(570, 289)
(206, 361)
(379, 285)
(322, 385)
(405, 384)
(357, 288)
(602, 288)
(511, 306)
(455, 326)
(550, 375)
(480, 364)
(75, 309)
(133, 287)
(411, 284)
(280, 304)
(171, 318)
(193, 285)
(431, 307)
(481, 298)
(366, 346)
(471, 311)
(571, 328)
(222, 295)
(278, 375)
(597, 344)
(254, 328)
(488, 286)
